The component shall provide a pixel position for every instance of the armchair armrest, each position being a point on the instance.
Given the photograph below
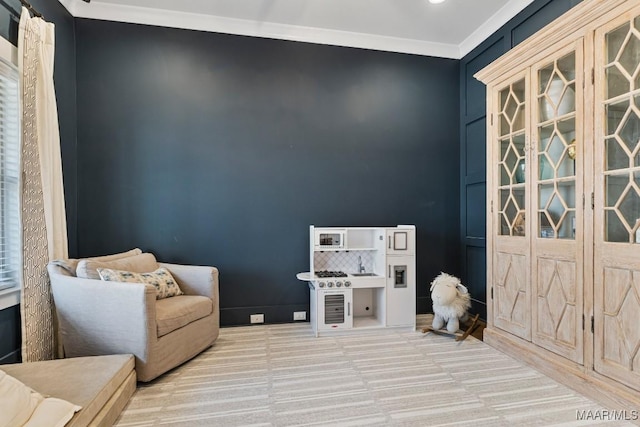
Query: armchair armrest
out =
(104, 318)
(195, 279)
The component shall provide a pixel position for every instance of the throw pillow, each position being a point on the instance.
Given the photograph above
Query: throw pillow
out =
(165, 284)
(69, 265)
(142, 263)
(132, 252)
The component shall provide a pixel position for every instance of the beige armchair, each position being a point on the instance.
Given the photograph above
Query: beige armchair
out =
(100, 318)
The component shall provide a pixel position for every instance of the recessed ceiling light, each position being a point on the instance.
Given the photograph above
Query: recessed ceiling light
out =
(436, 1)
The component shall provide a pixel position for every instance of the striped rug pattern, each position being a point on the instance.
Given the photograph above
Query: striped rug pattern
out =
(281, 375)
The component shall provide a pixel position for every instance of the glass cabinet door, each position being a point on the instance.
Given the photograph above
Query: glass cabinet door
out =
(617, 200)
(622, 134)
(556, 244)
(556, 149)
(512, 161)
(511, 296)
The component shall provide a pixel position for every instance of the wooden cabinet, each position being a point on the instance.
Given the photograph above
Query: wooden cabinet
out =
(563, 198)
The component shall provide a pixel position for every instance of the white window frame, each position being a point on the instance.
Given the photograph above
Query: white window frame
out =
(10, 296)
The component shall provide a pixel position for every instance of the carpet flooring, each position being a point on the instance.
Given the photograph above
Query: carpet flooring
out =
(281, 375)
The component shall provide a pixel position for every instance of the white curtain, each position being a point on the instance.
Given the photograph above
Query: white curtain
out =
(44, 227)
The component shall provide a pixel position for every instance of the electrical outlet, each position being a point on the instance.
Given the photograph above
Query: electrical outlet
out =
(257, 318)
(299, 315)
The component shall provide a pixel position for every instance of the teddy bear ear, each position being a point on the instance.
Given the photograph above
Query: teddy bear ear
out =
(462, 288)
(433, 284)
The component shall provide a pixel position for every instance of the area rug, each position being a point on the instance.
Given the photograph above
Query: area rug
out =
(281, 375)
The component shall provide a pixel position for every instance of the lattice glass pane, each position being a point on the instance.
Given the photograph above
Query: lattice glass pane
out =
(505, 229)
(505, 178)
(568, 100)
(629, 132)
(567, 166)
(617, 84)
(622, 142)
(546, 229)
(512, 159)
(556, 209)
(567, 190)
(623, 206)
(504, 94)
(518, 143)
(567, 229)
(518, 121)
(505, 127)
(629, 206)
(615, 185)
(630, 54)
(614, 40)
(519, 92)
(567, 66)
(543, 78)
(615, 156)
(504, 146)
(615, 114)
(614, 230)
(555, 149)
(545, 191)
(545, 133)
(556, 88)
(511, 210)
(504, 196)
(555, 159)
(545, 168)
(511, 107)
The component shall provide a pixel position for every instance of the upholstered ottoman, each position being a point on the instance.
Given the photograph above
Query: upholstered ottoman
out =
(102, 385)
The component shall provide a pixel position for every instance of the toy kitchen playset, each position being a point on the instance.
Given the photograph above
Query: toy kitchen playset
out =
(361, 277)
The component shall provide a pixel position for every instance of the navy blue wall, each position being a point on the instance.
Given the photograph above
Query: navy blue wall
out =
(221, 150)
(473, 138)
(65, 82)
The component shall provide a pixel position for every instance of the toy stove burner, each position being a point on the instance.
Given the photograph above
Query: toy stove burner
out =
(326, 273)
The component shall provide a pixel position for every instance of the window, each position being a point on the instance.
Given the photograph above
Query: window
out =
(10, 252)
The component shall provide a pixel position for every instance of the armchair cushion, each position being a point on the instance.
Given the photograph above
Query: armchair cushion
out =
(161, 279)
(174, 313)
(140, 263)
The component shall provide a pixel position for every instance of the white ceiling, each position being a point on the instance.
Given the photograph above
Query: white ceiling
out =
(450, 29)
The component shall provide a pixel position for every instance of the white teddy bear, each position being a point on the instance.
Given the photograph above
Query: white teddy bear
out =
(451, 301)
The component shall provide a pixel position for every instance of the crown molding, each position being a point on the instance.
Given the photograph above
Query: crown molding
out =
(193, 21)
(493, 24)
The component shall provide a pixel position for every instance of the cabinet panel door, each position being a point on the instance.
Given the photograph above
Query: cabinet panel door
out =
(401, 291)
(508, 230)
(556, 205)
(401, 242)
(617, 200)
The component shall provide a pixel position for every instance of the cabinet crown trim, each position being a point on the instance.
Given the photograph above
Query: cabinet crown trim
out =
(572, 25)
